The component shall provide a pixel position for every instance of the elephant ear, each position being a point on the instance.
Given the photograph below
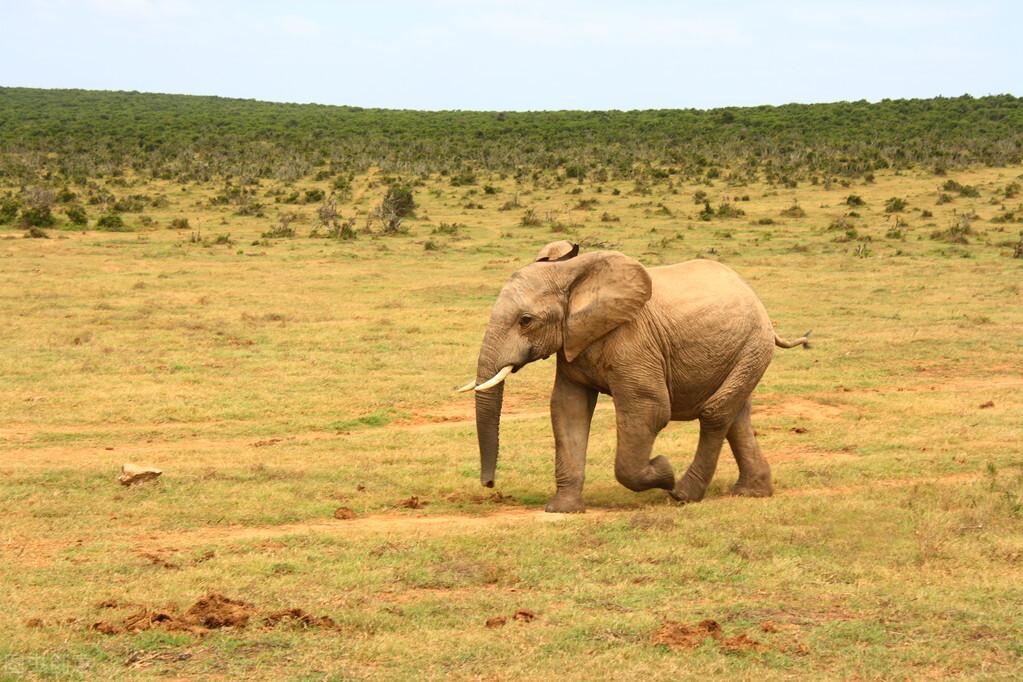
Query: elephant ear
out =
(609, 290)
(557, 251)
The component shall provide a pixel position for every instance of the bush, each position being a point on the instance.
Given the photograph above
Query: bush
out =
(530, 219)
(463, 178)
(35, 233)
(854, 200)
(111, 222)
(9, 207)
(895, 205)
(727, 210)
(76, 215)
(180, 224)
(313, 195)
(399, 201)
(575, 171)
(37, 216)
(794, 211)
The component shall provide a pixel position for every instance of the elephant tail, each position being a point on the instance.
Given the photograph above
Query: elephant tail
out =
(803, 341)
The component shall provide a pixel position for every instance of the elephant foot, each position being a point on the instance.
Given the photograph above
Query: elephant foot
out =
(687, 490)
(565, 503)
(754, 488)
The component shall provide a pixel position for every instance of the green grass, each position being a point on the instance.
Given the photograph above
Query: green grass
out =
(276, 382)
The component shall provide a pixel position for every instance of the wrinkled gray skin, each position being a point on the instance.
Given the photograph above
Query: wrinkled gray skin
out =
(680, 342)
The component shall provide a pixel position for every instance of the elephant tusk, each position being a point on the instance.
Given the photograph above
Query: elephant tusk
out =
(496, 379)
(468, 387)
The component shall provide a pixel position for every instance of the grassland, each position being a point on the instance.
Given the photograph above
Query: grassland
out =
(276, 380)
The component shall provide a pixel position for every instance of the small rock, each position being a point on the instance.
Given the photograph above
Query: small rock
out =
(990, 403)
(132, 474)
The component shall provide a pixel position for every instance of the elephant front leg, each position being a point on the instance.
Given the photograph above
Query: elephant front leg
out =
(640, 418)
(571, 413)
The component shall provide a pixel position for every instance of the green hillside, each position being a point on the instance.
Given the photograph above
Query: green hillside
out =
(77, 134)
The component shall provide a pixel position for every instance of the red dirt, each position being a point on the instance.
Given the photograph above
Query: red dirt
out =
(675, 635)
(525, 615)
(299, 617)
(344, 513)
(217, 611)
(496, 622)
(210, 612)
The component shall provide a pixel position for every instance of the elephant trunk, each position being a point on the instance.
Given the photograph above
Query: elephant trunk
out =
(488, 413)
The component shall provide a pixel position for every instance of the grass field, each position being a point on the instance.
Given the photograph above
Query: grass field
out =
(277, 380)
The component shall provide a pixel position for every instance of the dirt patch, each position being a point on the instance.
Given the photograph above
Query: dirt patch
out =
(496, 622)
(680, 636)
(217, 611)
(344, 514)
(266, 443)
(211, 612)
(495, 497)
(299, 617)
(796, 408)
(525, 615)
(413, 502)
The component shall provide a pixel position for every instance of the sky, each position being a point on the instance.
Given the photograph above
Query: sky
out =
(518, 54)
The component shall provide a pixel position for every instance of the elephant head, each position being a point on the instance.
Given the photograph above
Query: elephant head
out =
(563, 302)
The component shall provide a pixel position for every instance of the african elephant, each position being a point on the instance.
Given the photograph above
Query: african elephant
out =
(679, 342)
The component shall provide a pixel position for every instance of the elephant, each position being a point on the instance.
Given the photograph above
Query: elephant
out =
(680, 342)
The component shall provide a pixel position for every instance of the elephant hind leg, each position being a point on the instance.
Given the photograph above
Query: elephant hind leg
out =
(754, 471)
(693, 485)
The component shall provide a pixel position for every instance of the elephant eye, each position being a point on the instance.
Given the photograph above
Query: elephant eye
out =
(525, 320)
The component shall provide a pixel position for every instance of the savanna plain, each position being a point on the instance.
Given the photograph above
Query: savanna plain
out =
(291, 370)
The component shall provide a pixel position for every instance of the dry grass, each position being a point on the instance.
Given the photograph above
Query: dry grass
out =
(275, 382)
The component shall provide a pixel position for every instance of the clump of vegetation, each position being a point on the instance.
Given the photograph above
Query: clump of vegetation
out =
(957, 232)
(895, 205)
(794, 211)
(283, 228)
(606, 217)
(530, 219)
(729, 210)
(9, 207)
(36, 233)
(76, 215)
(463, 179)
(180, 224)
(37, 216)
(699, 197)
(854, 200)
(111, 222)
(450, 229)
(765, 221)
(963, 190)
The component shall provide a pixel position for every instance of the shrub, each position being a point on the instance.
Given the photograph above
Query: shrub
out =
(606, 217)
(765, 221)
(575, 171)
(37, 216)
(854, 200)
(895, 205)
(530, 219)
(283, 228)
(76, 215)
(463, 178)
(490, 189)
(111, 222)
(727, 210)
(399, 201)
(958, 232)
(9, 207)
(794, 211)
(706, 213)
(180, 224)
(35, 233)
(313, 195)
(944, 199)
